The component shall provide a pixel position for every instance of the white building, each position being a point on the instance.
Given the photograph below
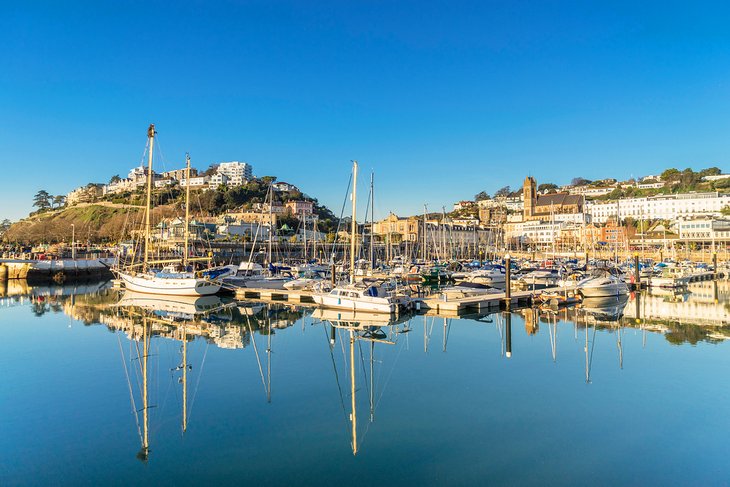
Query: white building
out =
(716, 177)
(590, 190)
(284, 187)
(217, 179)
(534, 232)
(660, 207)
(195, 182)
(650, 185)
(236, 172)
(704, 230)
(161, 183)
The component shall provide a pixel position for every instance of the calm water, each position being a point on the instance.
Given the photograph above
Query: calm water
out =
(612, 393)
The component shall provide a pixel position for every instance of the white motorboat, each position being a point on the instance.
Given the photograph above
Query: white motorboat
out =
(602, 285)
(466, 289)
(360, 296)
(488, 275)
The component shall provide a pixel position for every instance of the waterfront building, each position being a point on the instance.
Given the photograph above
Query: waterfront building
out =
(704, 230)
(660, 207)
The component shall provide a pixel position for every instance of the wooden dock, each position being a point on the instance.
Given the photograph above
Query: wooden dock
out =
(431, 305)
(273, 295)
(489, 302)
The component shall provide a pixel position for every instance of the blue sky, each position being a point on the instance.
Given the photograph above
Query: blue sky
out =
(440, 99)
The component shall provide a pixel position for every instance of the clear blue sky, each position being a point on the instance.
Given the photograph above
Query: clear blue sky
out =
(441, 100)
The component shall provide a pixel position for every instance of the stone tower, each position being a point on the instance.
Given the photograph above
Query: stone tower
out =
(529, 194)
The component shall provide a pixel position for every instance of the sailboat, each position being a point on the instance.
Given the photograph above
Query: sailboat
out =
(371, 295)
(175, 278)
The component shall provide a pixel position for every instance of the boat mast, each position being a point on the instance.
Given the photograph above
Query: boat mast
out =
(151, 136)
(372, 218)
(187, 210)
(185, 374)
(271, 203)
(352, 383)
(423, 252)
(353, 231)
(144, 453)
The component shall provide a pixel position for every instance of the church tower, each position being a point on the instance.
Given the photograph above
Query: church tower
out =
(529, 194)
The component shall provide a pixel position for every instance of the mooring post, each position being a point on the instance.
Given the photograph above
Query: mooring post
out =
(714, 266)
(508, 282)
(637, 274)
(508, 334)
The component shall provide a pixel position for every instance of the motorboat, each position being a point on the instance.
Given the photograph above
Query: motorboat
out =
(373, 296)
(602, 284)
(467, 289)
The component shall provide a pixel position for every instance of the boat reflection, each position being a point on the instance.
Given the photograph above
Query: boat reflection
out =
(358, 327)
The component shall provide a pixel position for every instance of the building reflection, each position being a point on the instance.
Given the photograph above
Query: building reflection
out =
(700, 313)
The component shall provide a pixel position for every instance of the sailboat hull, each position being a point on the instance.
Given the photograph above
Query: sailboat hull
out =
(170, 286)
(377, 305)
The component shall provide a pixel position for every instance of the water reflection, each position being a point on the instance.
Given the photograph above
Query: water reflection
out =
(358, 328)
(363, 348)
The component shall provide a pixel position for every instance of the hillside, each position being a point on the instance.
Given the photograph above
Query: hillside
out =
(103, 222)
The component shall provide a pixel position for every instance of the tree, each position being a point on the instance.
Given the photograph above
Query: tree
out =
(710, 171)
(59, 200)
(115, 179)
(42, 200)
(503, 191)
(4, 226)
(212, 169)
(547, 187)
(670, 174)
(481, 196)
(725, 211)
(580, 181)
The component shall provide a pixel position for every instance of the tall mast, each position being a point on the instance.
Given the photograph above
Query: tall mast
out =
(143, 454)
(423, 252)
(147, 227)
(352, 383)
(353, 231)
(185, 377)
(187, 210)
(271, 203)
(372, 217)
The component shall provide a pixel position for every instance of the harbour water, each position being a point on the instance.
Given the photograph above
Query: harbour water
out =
(631, 392)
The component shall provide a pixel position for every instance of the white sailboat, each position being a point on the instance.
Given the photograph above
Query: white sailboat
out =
(175, 278)
(364, 295)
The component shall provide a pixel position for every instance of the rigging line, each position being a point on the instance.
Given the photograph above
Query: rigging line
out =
(339, 222)
(593, 344)
(337, 376)
(362, 363)
(387, 381)
(256, 350)
(129, 385)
